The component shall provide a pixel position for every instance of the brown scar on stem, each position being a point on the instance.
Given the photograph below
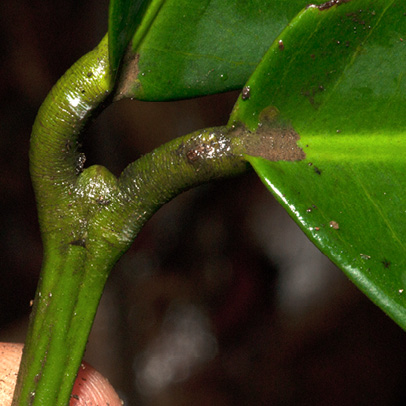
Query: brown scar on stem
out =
(128, 76)
(198, 152)
(274, 140)
(209, 144)
(271, 143)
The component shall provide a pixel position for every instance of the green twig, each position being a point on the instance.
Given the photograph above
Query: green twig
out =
(89, 218)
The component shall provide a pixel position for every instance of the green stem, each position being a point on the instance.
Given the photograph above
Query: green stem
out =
(69, 289)
(89, 218)
(177, 166)
(65, 306)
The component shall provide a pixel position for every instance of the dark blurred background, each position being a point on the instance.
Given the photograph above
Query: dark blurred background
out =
(221, 300)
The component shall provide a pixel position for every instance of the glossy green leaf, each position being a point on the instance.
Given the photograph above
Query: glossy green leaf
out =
(199, 47)
(336, 78)
(124, 18)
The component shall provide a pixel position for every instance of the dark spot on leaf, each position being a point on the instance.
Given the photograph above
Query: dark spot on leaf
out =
(317, 170)
(312, 93)
(81, 242)
(246, 93)
(68, 146)
(386, 264)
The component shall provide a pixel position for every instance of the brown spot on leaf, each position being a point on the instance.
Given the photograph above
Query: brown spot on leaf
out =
(79, 243)
(311, 94)
(129, 76)
(334, 224)
(386, 264)
(277, 144)
(331, 3)
(273, 140)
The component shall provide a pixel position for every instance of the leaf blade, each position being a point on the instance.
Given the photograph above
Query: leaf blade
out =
(199, 47)
(327, 78)
(125, 16)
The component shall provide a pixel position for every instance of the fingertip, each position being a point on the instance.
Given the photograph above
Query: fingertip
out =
(10, 356)
(91, 388)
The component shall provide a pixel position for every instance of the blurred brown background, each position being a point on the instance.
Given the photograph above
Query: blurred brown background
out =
(221, 300)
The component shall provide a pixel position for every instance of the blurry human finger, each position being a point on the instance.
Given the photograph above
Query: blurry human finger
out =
(10, 355)
(90, 388)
